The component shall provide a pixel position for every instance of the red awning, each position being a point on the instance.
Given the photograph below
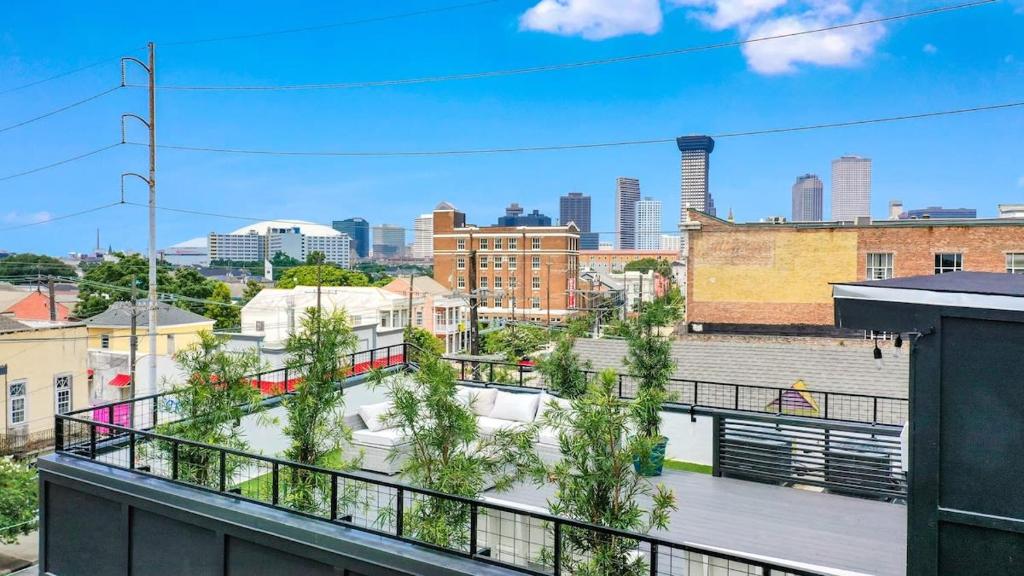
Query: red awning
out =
(120, 381)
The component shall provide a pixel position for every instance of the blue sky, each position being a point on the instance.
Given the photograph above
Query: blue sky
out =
(959, 59)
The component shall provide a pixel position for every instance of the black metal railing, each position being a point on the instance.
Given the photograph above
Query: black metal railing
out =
(704, 394)
(520, 539)
(845, 458)
(14, 444)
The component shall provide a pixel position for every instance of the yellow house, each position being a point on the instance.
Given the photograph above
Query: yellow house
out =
(43, 370)
(110, 330)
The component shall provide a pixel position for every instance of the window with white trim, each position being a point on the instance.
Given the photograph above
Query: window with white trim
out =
(419, 317)
(536, 283)
(260, 326)
(483, 283)
(105, 341)
(497, 302)
(461, 283)
(17, 398)
(1015, 262)
(484, 243)
(62, 393)
(535, 243)
(460, 244)
(497, 282)
(498, 262)
(535, 263)
(483, 262)
(513, 243)
(535, 303)
(460, 263)
(513, 282)
(511, 262)
(497, 243)
(948, 262)
(879, 265)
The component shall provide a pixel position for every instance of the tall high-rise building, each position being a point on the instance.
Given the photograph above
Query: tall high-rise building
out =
(627, 194)
(694, 165)
(575, 207)
(423, 236)
(388, 241)
(648, 224)
(807, 193)
(358, 230)
(851, 188)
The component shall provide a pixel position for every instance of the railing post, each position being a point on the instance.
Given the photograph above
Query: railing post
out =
(58, 434)
(463, 369)
(155, 412)
(275, 484)
(826, 405)
(334, 497)
(110, 418)
(520, 376)
(735, 397)
(620, 385)
(780, 401)
(399, 511)
(472, 529)
(174, 461)
(491, 371)
(716, 449)
(557, 568)
(92, 441)
(131, 450)
(223, 471)
(874, 410)
(373, 357)
(284, 386)
(654, 559)
(696, 396)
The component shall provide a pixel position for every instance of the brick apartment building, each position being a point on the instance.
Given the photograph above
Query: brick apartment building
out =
(767, 277)
(608, 261)
(523, 272)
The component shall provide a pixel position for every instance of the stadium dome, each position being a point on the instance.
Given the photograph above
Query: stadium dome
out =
(307, 228)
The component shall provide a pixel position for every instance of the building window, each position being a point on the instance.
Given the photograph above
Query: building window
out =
(483, 283)
(536, 283)
(1015, 263)
(483, 262)
(949, 262)
(419, 317)
(498, 262)
(460, 244)
(170, 344)
(497, 282)
(512, 282)
(105, 341)
(17, 394)
(497, 302)
(511, 262)
(535, 303)
(62, 393)
(497, 243)
(535, 264)
(513, 243)
(879, 265)
(461, 283)
(484, 242)
(260, 326)
(535, 243)
(460, 263)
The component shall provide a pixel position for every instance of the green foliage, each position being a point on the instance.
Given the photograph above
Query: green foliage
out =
(515, 341)
(330, 275)
(26, 266)
(228, 314)
(316, 354)
(663, 311)
(596, 483)
(283, 260)
(18, 500)
(580, 326)
(447, 453)
(563, 371)
(252, 288)
(209, 407)
(645, 265)
(423, 343)
(649, 359)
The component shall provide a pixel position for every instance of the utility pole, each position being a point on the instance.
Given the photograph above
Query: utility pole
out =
(319, 308)
(150, 69)
(412, 277)
(474, 320)
(133, 343)
(548, 284)
(53, 299)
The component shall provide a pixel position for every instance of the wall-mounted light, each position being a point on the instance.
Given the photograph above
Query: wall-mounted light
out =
(878, 355)
(898, 346)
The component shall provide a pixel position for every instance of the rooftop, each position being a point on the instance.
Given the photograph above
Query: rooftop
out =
(119, 314)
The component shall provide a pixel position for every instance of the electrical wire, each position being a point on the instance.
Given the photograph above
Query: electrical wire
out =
(572, 65)
(559, 147)
(59, 162)
(318, 27)
(59, 110)
(61, 217)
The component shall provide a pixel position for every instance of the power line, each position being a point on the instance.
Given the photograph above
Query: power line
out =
(558, 147)
(59, 162)
(572, 65)
(61, 217)
(59, 110)
(318, 27)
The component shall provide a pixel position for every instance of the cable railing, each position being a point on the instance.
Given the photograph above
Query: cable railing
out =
(522, 539)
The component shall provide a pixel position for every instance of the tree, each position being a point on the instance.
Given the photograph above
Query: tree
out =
(563, 371)
(596, 483)
(317, 354)
(20, 267)
(446, 452)
(645, 265)
(19, 488)
(228, 313)
(649, 358)
(422, 343)
(210, 406)
(330, 275)
(515, 341)
(252, 288)
(280, 259)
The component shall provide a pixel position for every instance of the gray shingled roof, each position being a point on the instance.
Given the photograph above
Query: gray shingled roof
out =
(845, 366)
(119, 314)
(8, 324)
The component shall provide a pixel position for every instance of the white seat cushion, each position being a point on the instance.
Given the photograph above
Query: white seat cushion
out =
(546, 400)
(518, 407)
(487, 425)
(479, 400)
(548, 435)
(386, 438)
(372, 415)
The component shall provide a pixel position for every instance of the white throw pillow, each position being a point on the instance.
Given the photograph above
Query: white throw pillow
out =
(372, 415)
(546, 401)
(517, 407)
(479, 400)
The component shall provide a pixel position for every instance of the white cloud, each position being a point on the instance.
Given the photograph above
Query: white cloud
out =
(594, 19)
(929, 48)
(721, 14)
(15, 217)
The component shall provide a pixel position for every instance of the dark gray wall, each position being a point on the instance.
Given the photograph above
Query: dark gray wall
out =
(100, 521)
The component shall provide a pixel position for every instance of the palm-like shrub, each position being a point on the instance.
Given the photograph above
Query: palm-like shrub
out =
(563, 371)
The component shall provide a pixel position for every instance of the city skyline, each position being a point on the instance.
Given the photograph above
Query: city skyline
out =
(807, 192)
(851, 188)
(627, 194)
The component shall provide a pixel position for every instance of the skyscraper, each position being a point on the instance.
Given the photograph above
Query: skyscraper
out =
(388, 241)
(851, 188)
(423, 236)
(807, 192)
(694, 165)
(514, 217)
(359, 231)
(627, 194)
(648, 224)
(575, 207)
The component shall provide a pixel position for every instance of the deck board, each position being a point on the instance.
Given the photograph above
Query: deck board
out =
(838, 532)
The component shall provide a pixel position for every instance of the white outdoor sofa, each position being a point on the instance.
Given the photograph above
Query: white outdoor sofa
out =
(495, 409)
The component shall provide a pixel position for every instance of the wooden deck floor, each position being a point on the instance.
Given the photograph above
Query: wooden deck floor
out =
(837, 532)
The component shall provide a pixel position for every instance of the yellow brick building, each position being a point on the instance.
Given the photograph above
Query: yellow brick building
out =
(176, 329)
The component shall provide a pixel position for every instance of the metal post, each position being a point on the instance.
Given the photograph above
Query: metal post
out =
(826, 405)
(174, 461)
(716, 427)
(654, 559)
(620, 385)
(399, 511)
(223, 470)
(152, 218)
(558, 549)
(92, 441)
(334, 496)
(520, 376)
(780, 401)
(110, 418)
(58, 434)
(155, 412)
(472, 529)
(491, 371)
(275, 484)
(53, 299)
(736, 397)
(133, 350)
(874, 410)
(131, 450)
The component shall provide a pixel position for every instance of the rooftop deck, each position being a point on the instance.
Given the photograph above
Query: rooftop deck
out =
(827, 532)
